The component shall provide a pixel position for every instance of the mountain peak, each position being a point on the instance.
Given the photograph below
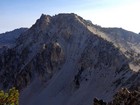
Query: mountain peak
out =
(43, 16)
(45, 20)
(42, 22)
(66, 14)
(66, 59)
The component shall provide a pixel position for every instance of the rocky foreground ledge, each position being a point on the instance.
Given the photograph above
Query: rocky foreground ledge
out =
(122, 97)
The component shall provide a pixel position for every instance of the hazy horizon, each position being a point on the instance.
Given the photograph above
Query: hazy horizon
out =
(106, 13)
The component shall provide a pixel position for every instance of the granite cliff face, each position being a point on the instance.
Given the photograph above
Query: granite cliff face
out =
(65, 60)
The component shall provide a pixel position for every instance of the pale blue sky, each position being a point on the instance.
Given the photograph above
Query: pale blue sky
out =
(107, 13)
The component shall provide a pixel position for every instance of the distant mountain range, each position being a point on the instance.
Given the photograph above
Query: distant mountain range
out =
(8, 39)
(66, 60)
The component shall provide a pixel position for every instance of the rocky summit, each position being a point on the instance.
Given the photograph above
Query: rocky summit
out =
(66, 60)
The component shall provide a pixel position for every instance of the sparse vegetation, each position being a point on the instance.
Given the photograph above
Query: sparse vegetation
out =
(9, 98)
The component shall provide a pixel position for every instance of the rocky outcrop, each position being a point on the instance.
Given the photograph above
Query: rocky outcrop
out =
(15, 71)
(122, 97)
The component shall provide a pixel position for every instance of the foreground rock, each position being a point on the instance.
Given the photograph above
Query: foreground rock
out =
(122, 97)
